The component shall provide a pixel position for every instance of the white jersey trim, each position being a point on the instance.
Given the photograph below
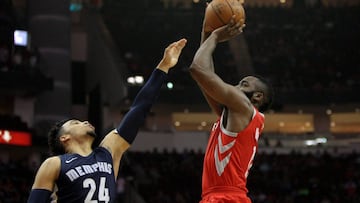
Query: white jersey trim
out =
(229, 133)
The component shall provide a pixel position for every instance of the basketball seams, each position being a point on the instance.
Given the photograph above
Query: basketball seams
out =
(217, 14)
(232, 11)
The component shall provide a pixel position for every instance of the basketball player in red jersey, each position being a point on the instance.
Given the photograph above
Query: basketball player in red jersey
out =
(233, 140)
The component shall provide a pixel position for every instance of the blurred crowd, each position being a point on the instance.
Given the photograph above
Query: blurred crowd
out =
(308, 47)
(14, 57)
(173, 177)
(12, 122)
(16, 178)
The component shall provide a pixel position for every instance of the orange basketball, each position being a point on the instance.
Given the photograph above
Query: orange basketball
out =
(219, 13)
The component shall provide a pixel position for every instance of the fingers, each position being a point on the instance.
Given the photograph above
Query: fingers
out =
(178, 44)
(181, 43)
(242, 28)
(234, 27)
(171, 55)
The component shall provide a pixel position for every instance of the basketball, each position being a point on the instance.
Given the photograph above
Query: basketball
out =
(219, 13)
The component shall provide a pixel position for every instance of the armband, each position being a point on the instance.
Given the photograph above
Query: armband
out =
(39, 196)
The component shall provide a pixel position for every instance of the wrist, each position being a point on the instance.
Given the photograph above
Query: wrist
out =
(163, 67)
(214, 36)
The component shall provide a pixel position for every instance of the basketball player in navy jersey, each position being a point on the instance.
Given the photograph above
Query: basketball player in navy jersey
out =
(79, 173)
(234, 136)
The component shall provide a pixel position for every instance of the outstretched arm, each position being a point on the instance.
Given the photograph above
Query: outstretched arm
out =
(201, 68)
(119, 140)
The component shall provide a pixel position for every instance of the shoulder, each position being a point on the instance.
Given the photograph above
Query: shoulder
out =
(52, 161)
(258, 114)
(47, 173)
(51, 165)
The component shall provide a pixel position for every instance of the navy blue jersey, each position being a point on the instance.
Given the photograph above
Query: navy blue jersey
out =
(83, 179)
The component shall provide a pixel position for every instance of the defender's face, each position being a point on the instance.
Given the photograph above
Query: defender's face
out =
(76, 128)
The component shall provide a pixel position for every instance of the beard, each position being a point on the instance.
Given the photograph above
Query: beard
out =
(249, 95)
(92, 134)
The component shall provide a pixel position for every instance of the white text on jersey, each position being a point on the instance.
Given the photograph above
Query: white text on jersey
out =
(82, 170)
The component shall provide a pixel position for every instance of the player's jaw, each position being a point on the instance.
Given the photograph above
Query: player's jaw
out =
(76, 127)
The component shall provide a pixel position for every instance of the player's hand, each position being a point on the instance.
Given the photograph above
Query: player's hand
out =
(171, 55)
(229, 31)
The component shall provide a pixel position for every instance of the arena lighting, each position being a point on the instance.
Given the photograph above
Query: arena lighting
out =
(131, 80)
(328, 111)
(135, 80)
(75, 6)
(139, 79)
(12, 137)
(170, 85)
(320, 140)
(21, 38)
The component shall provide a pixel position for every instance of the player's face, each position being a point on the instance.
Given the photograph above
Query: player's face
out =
(250, 85)
(79, 128)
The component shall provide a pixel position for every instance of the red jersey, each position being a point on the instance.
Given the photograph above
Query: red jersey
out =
(229, 157)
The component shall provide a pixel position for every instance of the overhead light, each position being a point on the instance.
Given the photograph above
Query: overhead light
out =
(328, 111)
(319, 140)
(170, 85)
(139, 79)
(135, 80)
(131, 80)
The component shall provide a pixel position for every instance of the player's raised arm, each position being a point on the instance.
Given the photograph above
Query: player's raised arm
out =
(119, 140)
(201, 67)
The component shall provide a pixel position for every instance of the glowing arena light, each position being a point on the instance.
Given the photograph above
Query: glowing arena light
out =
(131, 80)
(321, 140)
(170, 85)
(75, 6)
(21, 38)
(310, 142)
(139, 79)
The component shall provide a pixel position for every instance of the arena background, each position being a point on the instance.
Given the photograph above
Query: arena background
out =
(88, 58)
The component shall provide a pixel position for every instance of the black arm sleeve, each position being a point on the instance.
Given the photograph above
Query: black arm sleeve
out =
(39, 196)
(144, 100)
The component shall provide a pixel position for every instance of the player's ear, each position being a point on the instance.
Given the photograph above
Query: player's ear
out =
(258, 96)
(64, 137)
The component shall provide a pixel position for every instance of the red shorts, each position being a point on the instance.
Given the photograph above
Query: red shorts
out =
(225, 198)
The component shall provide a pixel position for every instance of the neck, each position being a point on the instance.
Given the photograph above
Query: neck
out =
(83, 149)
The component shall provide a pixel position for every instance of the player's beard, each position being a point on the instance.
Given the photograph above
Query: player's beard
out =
(249, 95)
(92, 133)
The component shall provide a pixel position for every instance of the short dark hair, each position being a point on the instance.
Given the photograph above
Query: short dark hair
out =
(55, 146)
(269, 94)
